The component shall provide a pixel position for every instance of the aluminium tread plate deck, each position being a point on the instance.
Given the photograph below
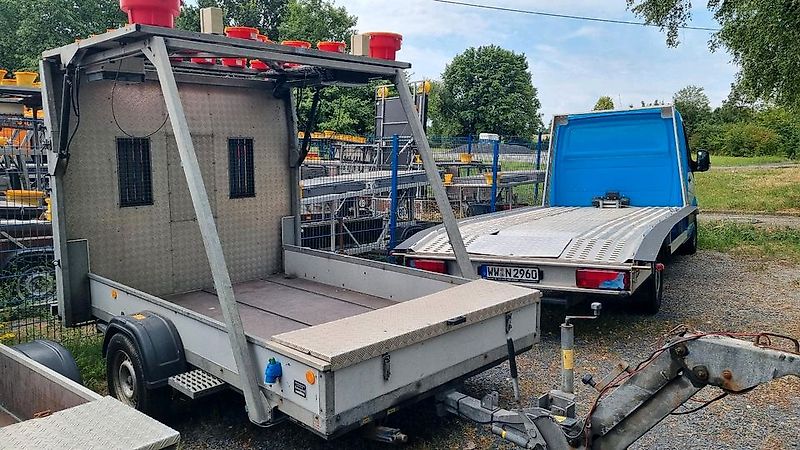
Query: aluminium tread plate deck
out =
(567, 234)
(103, 424)
(351, 340)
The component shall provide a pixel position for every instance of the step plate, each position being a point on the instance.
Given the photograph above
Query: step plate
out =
(196, 383)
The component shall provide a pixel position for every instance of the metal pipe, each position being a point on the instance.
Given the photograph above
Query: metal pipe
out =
(257, 408)
(432, 172)
(567, 358)
(495, 160)
(537, 166)
(393, 207)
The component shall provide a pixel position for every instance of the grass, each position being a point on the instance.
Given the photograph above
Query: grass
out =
(750, 190)
(739, 161)
(87, 352)
(774, 243)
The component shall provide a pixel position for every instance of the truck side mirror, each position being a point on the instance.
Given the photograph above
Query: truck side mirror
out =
(703, 161)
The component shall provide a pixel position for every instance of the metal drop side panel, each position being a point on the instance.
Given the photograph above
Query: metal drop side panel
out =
(158, 247)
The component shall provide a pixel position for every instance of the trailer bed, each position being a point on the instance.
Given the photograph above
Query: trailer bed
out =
(279, 304)
(563, 234)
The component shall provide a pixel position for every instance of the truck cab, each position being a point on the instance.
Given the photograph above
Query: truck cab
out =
(619, 199)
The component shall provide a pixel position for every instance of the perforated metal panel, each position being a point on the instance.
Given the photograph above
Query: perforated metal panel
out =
(158, 248)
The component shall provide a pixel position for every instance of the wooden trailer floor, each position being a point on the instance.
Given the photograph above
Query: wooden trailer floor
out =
(278, 304)
(6, 419)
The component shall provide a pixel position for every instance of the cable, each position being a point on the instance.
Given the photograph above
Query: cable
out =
(76, 108)
(114, 114)
(569, 16)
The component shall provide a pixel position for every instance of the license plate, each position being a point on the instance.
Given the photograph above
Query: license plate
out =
(511, 273)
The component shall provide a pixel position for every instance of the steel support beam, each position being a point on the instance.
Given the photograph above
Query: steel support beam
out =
(51, 97)
(294, 169)
(428, 162)
(156, 52)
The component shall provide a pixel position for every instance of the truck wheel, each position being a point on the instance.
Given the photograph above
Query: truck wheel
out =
(125, 375)
(648, 298)
(690, 246)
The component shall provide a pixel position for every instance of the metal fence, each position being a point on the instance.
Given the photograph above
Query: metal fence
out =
(27, 273)
(360, 197)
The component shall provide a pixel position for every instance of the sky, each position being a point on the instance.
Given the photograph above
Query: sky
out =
(572, 62)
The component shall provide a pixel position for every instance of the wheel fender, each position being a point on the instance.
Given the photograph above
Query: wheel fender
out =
(158, 342)
(52, 355)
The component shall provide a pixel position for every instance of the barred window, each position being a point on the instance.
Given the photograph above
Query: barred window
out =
(240, 168)
(134, 171)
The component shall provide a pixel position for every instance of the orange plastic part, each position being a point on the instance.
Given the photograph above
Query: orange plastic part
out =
(332, 46)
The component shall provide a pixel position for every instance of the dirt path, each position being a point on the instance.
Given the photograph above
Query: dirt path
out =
(753, 219)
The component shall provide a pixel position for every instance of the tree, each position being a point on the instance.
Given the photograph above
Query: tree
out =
(33, 26)
(266, 15)
(316, 20)
(694, 106)
(761, 35)
(604, 103)
(489, 89)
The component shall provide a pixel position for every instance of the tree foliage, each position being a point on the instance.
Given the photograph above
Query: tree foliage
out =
(693, 104)
(266, 15)
(604, 103)
(33, 26)
(489, 89)
(761, 35)
(316, 20)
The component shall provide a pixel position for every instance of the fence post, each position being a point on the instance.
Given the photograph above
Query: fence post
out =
(495, 160)
(393, 206)
(537, 167)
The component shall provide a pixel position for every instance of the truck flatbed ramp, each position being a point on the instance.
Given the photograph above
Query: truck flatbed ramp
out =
(355, 339)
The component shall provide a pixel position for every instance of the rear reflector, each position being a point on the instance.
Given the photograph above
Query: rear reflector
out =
(603, 279)
(431, 265)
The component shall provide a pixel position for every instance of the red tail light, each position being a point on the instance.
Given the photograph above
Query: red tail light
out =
(614, 280)
(431, 265)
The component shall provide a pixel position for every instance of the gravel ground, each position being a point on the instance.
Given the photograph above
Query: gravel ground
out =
(709, 291)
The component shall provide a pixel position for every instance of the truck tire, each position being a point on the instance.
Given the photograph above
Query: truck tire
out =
(649, 296)
(126, 378)
(690, 246)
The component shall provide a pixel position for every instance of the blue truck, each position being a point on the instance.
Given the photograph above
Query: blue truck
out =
(619, 199)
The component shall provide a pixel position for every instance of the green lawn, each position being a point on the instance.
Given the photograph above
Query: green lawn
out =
(737, 161)
(775, 243)
(750, 190)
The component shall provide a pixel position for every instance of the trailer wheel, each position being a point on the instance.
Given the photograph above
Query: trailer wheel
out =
(126, 379)
(649, 296)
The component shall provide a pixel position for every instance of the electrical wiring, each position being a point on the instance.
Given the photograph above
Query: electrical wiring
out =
(569, 16)
(114, 114)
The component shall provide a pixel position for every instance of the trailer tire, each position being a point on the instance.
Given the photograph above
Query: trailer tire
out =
(126, 377)
(650, 295)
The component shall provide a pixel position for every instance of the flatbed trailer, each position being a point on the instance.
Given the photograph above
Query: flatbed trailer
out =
(188, 255)
(619, 200)
(43, 406)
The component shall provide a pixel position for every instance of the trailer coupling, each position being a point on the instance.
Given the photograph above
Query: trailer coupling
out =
(633, 399)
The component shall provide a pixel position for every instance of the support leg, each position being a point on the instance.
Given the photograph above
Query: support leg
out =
(450, 224)
(156, 52)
